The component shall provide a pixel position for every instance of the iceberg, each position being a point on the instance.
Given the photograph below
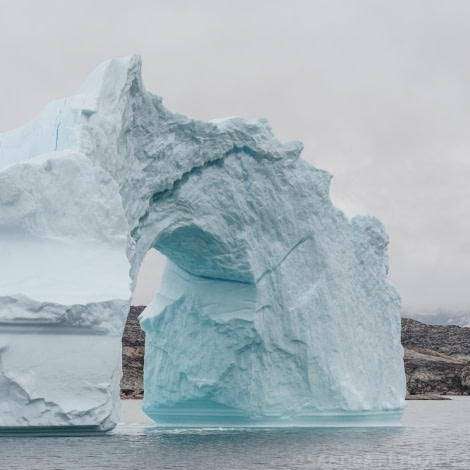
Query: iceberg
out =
(274, 307)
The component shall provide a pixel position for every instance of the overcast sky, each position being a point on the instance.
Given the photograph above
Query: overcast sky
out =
(378, 91)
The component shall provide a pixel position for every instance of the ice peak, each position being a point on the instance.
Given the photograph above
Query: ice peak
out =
(107, 83)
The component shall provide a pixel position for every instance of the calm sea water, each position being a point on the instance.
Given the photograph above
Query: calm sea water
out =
(435, 434)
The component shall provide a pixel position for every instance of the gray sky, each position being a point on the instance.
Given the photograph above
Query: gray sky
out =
(378, 91)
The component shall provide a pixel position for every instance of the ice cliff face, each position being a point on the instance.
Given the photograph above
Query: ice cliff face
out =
(274, 308)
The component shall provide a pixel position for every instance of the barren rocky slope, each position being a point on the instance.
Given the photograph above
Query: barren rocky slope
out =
(437, 358)
(133, 342)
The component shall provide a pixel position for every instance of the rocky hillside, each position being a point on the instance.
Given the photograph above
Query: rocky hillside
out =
(437, 358)
(133, 343)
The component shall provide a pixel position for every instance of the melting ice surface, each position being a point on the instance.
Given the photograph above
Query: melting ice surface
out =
(274, 308)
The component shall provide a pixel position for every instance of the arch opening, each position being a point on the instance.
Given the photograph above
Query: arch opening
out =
(149, 278)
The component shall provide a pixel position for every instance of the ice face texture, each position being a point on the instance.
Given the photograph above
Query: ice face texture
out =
(274, 307)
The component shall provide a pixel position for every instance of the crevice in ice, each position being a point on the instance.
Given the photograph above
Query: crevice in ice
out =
(59, 122)
(57, 136)
(177, 183)
(213, 278)
(277, 266)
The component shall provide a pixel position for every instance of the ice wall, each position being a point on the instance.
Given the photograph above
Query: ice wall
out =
(274, 307)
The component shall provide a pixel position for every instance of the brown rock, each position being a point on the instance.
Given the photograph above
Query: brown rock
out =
(436, 358)
(465, 377)
(133, 347)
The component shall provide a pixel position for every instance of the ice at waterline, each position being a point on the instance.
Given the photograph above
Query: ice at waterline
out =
(274, 308)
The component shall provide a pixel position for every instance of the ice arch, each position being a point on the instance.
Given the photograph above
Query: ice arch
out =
(274, 308)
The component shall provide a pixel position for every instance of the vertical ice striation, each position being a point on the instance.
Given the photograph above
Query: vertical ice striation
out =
(274, 307)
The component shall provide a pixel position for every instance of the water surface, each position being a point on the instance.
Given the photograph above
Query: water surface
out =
(435, 434)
